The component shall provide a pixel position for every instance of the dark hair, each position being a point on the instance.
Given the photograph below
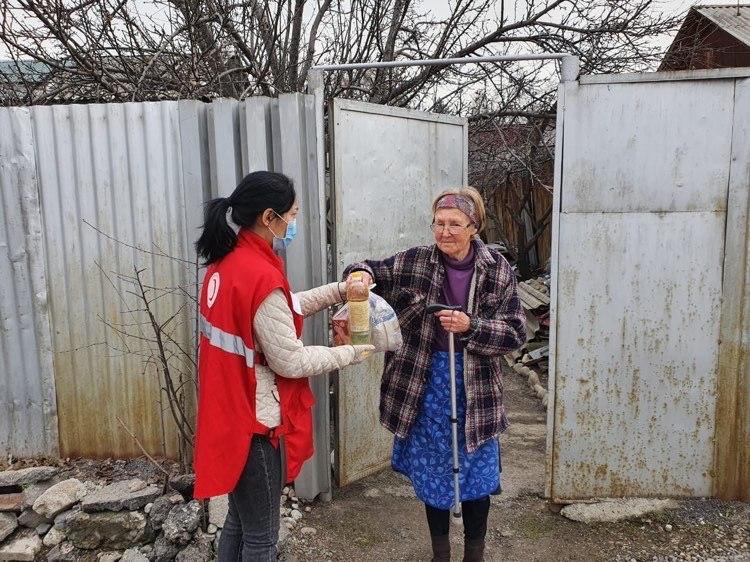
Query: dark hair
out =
(256, 192)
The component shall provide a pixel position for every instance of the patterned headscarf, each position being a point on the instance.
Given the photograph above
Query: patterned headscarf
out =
(460, 202)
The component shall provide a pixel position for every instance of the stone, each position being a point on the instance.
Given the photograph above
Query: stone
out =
(184, 484)
(309, 531)
(53, 537)
(58, 498)
(42, 529)
(114, 530)
(372, 493)
(32, 492)
(64, 552)
(615, 510)
(133, 555)
(61, 520)
(24, 546)
(27, 476)
(31, 519)
(165, 551)
(218, 508)
(284, 539)
(668, 527)
(148, 507)
(159, 511)
(182, 522)
(8, 524)
(109, 556)
(212, 529)
(200, 550)
(296, 515)
(533, 379)
(308, 509)
(13, 501)
(127, 495)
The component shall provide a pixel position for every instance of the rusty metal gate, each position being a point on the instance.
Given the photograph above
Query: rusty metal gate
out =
(388, 163)
(649, 287)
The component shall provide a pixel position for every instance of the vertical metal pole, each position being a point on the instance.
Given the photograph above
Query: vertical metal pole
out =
(315, 85)
(454, 427)
(569, 69)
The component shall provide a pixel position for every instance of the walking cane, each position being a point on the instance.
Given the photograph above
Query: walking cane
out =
(432, 309)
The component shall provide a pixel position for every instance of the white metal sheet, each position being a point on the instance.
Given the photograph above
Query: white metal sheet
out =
(639, 230)
(388, 165)
(647, 146)
(28, 409)
(638, 310)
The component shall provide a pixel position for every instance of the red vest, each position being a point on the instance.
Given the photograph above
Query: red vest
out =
(232, 291)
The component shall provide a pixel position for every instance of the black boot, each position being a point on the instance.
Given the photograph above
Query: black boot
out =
(474, 550)
(441, 548)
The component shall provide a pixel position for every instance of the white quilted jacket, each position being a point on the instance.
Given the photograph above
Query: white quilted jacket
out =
(287, 356)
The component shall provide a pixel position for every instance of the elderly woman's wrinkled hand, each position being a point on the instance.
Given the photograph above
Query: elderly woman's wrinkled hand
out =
(454, 321)
(366, 278)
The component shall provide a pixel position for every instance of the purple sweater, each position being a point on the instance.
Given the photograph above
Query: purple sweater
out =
(455, 292)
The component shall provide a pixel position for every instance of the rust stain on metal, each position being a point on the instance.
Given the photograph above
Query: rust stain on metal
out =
(731, 470)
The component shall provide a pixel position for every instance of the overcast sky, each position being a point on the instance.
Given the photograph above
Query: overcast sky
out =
(440, 8)
(671, 7)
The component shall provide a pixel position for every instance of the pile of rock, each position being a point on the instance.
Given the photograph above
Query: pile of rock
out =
(46, 512)
(42, 513)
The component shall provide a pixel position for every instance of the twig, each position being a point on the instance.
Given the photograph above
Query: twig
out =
(142, 448)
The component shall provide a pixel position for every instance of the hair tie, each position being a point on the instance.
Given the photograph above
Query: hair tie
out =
(233, 225)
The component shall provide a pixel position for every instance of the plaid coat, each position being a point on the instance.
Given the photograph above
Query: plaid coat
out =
(410, 281)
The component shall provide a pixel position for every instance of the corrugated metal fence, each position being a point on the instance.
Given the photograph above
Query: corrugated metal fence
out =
(92, 193)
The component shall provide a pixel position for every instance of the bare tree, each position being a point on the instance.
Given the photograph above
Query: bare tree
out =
(122, 50)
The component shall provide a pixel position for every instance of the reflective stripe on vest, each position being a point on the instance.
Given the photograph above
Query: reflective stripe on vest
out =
(226, 341)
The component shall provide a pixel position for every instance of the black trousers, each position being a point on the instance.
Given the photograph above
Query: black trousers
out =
(251, 529)
(475, 515)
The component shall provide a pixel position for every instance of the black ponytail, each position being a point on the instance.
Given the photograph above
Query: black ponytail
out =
(256, 192)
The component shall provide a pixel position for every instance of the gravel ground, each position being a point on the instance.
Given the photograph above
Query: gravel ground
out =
(379, 518)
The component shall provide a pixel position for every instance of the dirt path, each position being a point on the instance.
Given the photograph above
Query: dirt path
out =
(379, 519)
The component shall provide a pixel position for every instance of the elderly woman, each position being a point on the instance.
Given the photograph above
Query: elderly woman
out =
(458, 270)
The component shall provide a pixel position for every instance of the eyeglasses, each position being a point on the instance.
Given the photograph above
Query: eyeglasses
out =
(452, 228)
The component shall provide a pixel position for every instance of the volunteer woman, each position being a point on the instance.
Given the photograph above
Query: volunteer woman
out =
(253, 366)
(457, 270)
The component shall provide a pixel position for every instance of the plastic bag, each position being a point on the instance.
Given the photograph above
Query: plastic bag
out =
(385, 330)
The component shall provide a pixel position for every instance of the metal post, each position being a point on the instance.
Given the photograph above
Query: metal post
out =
(315, 85)
(445, 62)
(569, 69)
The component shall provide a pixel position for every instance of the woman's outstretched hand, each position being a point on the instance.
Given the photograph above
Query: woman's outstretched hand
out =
(454, 321)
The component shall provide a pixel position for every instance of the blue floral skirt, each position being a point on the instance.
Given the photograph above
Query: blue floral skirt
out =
(426, 456)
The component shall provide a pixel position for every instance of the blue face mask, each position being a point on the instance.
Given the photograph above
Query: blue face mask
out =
(291, 232)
